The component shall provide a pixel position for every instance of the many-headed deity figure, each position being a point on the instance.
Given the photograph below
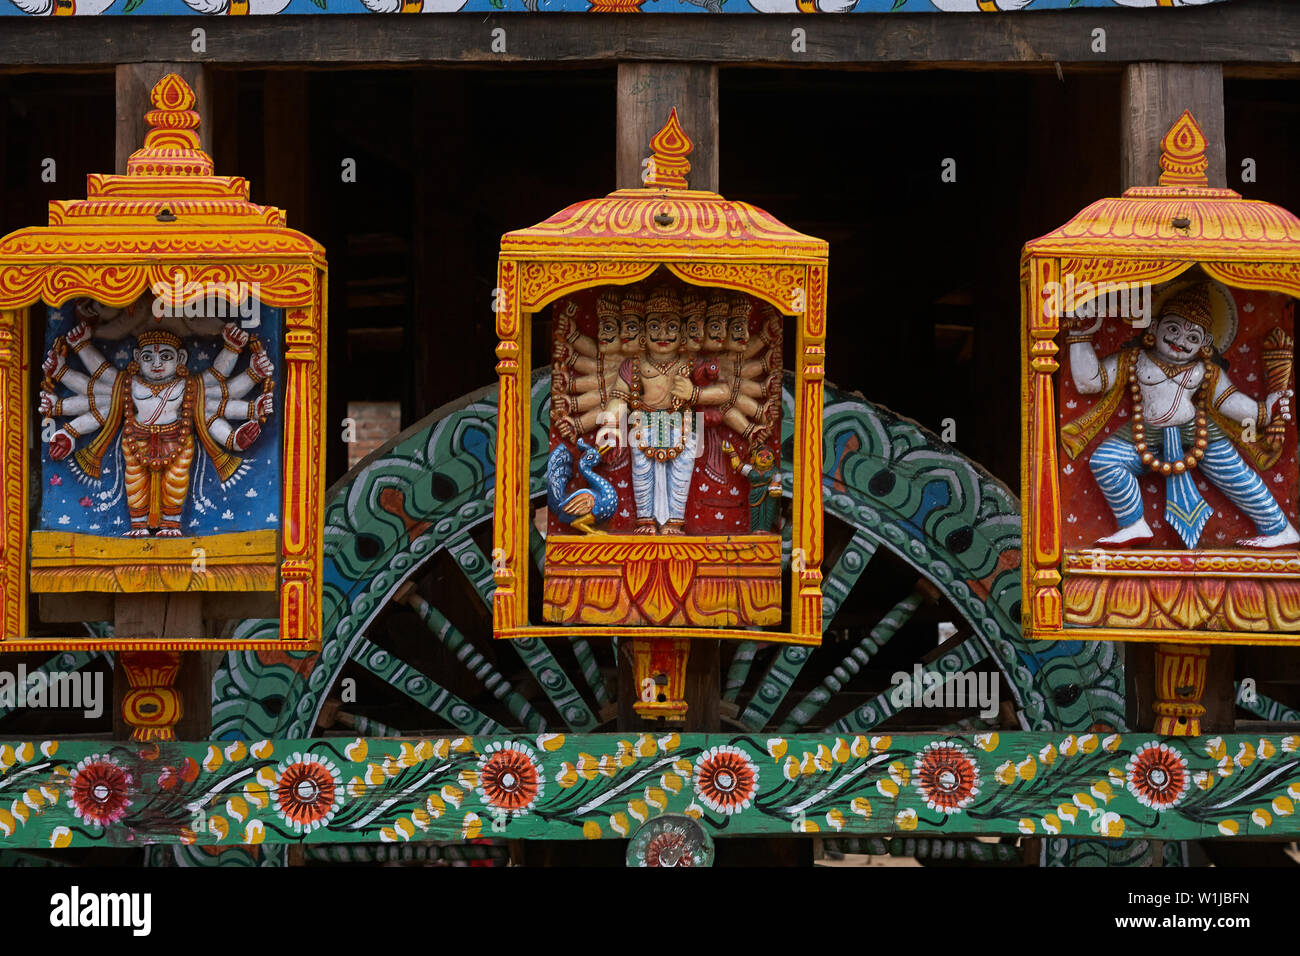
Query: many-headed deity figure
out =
(159, 410)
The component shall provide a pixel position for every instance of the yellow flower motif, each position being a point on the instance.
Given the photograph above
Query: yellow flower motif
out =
(906, 819)
(237, 807)
(8, 825)
(1216, 748)
(624, 755)
(776, 747)
(255, 832)
(407, 757)
(670, 742)
(881, 744)
(671, 782)
(356, 790)
(33, 798)
(421, 818)
(1293, 790)
(588, 766)
(888, 789)
(1229, 827)
(1111, 743)
(1069, 746)
(639, 810)
(441, 748)
(51, 794)
(835, 819)
(861, 806)
(1261, 817)
(987, 742)
(25, 751)
(435, 805)
(60, 837)
(1245, 755)
(1088, 743)
(1203, 780)
(1283, 806)
(387, 835)
(392, 767)
(684, 767)
(468, 779)
(804, 825)
(375, 775)
(49, 748)
(424, 750)
(1068, 812)
(608, 765)
(1052, 824)
(1225, 766)
(1110, 825)
(899, 773)
(861, 746)
(213, 760)
(236, 751)
(1290, 744)
(646, 746)
(619, 823)
(463, 745)
(259, 795)
(791, 769)
(809, 765)
(472, 826)
(1101, 790)
(1115, 777)
(219, 827)
(1025, 826)
(453, 795)
(656, 798)
(263, 749)
(21, 811)
(841, 751)
(591, 830)
(1266, 748)
(550, 742)
(1085, 802)
(1027, 768)
(1048, 755)
(824, 759)
(7, 757)
(695, 811)
(1005, 774)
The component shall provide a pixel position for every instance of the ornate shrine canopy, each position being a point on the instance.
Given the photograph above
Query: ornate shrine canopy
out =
(664, 220)
(140, 231)
(184, 7)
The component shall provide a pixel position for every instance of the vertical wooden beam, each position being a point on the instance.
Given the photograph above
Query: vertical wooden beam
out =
(647, 93)
(1153, 96)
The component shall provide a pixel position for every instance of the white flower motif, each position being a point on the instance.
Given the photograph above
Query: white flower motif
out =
(622, 484)
(227, 515)
(64, 519)
(272, 518)
(625, 513)
(717, 514)
(1248, 307)
(703, 486)
(1071, 404)
(1068, 469)
(251, 493)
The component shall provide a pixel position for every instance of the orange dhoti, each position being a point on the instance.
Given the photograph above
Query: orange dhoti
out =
(157, 463)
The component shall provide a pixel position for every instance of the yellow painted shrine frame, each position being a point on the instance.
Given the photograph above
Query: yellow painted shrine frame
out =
(166, 224)
(1150, 234)
(624, 238)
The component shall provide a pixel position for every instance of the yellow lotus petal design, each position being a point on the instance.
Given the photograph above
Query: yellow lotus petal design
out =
(387, 835)
(824, 759)
(21, 811)
(356, 790)
(568, 775)
(8, 825)
(881, 744)
(1283, 806)
(791, 769)
(1027, 768)
(608, 765)
(1101, 790)
(467, 779)
(591, 830)
(442, 748)
(1048, 755)
(1069, 746)
(1290, 744)
(260, 797)
(463, 745)
(656, 798)
(1203, 780)
(213, 760)
(1111, 825)
(407, 757)
(1068, 812)
(906, 819)
(1261, 818)
(60, 837)
(1084, 802)
(1052, 824)
(671, 782)
(646, 746)
(33, 798)
(670, 742)
(1265, 749)
(639, 810)
(1228, 827)
(861, 746)
(1293, 790)
(776, 747)
(453, 795)
(25, 751)
(899, 773)
(237, 807)
(424, 750)
(421, 818)
(888, 789)
(1111, 742)
(49, 748)
(1245, 755)
(1025, 825)
(1005, 774)
(375, 775)
(588, 766)
(255, 832)
(51, 794)
(987, 742)
(840, 752)
(1216, 748)
(7, 757)
(808, 826)
(435, 805)
(236, 751)
(266, 777)
(471, 826)
(219, 827)
(809, 765)
(1225, 766)
(1114, 777)
(550, 742)
(619, 823)
(835, 819)
(264, 748)
(861, 806)
(695, 811)
(1088, 743)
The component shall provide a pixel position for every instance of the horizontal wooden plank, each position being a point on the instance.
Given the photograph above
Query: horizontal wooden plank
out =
(553, 787)
(1265, 32)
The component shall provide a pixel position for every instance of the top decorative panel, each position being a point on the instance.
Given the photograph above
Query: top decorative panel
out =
(156, 8)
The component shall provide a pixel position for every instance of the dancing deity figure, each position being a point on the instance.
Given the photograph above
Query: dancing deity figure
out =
(160, 410)
(1187, 416)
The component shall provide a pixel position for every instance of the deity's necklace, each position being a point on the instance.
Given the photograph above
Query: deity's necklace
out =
(1192, 458)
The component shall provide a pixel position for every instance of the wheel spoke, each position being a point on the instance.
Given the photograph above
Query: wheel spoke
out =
(581, 649)
(776, 683)
(839, 581)
(1266, 708)
(880, 708)
(738, 672)
(473, 659)
(422, 689)
(67, 662)
(807, 709)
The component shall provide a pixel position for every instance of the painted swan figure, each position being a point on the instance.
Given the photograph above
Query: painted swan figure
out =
(583, 507)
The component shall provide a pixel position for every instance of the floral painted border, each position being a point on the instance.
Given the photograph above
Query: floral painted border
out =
(386, 790)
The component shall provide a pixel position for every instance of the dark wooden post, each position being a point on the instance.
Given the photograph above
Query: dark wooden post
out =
(647, 93)
(1153, 97)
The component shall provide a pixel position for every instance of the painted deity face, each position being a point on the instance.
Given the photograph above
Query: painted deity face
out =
(607, 332)
(1178, 340)
(158, 363)
(763, 459)
(694, 333)
(663, 333)
(739, 329)
(715, 333)
(630, 332)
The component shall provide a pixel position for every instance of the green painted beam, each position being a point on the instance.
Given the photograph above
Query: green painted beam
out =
(553, 787)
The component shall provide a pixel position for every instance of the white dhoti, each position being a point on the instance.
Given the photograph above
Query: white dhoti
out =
(660, 488)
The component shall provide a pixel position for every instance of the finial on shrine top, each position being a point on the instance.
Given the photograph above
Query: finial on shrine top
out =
(668, 163)
(171, 146)
(1182, 154)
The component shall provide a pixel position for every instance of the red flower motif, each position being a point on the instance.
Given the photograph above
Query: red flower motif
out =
(85, 501)
(308, 793)
(98, 790)
(510, 779)
(946, 776)
(55, 480)
(726, 780)
(1157, 776)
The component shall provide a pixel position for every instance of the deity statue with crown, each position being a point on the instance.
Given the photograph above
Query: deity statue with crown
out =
(153, 411)
(1186, 417)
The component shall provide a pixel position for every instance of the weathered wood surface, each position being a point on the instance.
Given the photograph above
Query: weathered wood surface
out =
(1244, 31)
(647, 93)
(552, 787)
(1153, 96)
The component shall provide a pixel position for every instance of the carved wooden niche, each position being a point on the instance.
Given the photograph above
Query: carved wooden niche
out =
(664, 478)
